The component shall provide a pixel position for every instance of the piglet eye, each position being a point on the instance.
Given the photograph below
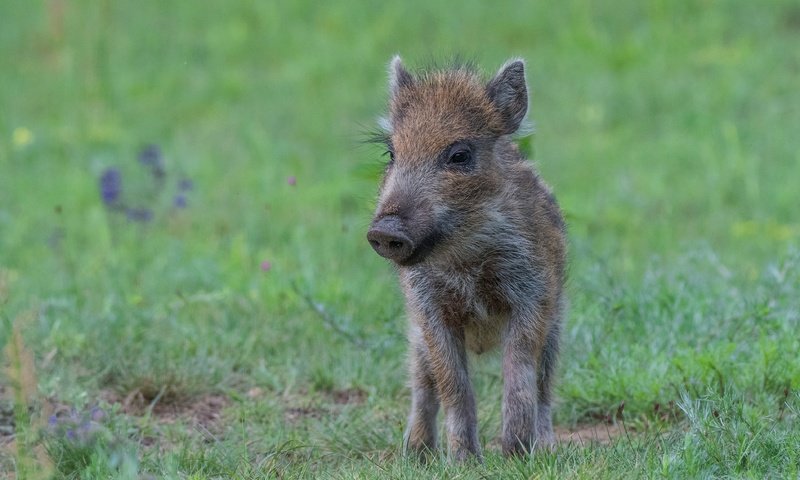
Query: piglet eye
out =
(460, 157)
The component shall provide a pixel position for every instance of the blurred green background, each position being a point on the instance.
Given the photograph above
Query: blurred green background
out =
(668, 130)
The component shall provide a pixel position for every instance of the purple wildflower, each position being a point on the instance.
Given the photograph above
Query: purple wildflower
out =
(151, 157)
(179, 201)
(185, 185)
(292, 181)
(97, 414)
(266, 266)
(111, 186)
(142, 215)
(86, 429)
(78, 427)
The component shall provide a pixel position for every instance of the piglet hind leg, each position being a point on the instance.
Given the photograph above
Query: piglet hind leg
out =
(544, 421)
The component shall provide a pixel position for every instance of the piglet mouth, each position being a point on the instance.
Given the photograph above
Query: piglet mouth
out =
(423, 249)
(390, 239)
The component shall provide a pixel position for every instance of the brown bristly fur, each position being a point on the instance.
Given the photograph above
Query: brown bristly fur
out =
(480, 249)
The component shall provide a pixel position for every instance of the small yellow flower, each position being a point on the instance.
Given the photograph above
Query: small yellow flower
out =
(22, 137)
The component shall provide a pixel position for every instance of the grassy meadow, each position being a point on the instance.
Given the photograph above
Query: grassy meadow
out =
(186, 290)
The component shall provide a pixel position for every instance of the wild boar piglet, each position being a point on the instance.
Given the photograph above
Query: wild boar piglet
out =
(479, 244)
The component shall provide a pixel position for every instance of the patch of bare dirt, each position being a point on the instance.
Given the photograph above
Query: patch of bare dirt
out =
(296, 414)
(348, 396)
(601, 433)
(333, 401)
(581, 435)
(204, 411)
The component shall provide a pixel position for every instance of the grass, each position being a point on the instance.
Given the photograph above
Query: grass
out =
(667, 129)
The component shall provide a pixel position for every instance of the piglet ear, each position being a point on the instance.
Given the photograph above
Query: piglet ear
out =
(398, 76)
(509, 94)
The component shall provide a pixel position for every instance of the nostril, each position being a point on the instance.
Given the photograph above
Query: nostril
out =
(387, 236)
